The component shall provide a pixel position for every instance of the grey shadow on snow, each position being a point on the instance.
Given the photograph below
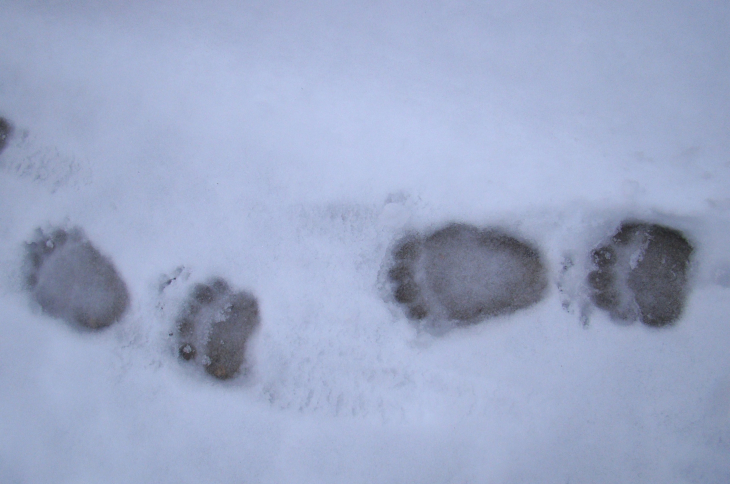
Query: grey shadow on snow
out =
(70, 279)
(464, 274)
(642, 274)
(214, 327)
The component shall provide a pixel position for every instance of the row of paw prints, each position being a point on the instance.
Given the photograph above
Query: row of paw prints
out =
(466, 274)
(460, 273)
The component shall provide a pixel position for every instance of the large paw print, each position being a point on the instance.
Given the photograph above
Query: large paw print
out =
(219, 322)
(71, 280)
(642, 274)
(465, 274)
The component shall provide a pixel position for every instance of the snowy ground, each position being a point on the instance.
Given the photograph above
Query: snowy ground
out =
(285, 148)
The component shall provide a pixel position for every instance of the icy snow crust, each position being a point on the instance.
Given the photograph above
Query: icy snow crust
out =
(286, 149)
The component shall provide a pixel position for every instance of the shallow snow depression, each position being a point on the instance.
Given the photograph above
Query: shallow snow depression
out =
(253, 170)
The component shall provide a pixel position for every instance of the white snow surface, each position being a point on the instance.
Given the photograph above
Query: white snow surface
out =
(285, 146)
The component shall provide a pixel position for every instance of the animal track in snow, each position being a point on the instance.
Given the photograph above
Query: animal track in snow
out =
(465, 274)
(217, 321)
(70, 279)
(641, 273)
(6, 130)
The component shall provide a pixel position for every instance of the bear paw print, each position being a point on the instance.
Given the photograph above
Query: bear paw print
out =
(71, 280)
(642, 273)
(217, 321)
(465, 274)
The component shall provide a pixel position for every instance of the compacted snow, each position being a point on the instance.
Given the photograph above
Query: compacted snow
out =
(175, 174)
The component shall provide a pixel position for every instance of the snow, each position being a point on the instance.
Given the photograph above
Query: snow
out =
(286, 148)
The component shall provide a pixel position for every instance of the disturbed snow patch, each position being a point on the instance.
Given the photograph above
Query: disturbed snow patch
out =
(25, 157)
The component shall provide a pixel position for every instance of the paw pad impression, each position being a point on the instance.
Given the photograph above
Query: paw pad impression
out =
(642, 273)
(214, 326)
(465, 274)
(71, 280)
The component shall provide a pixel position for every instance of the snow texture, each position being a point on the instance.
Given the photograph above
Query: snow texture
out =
(287, 148)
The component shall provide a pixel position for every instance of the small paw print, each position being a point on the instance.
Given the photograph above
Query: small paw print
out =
(219, 321)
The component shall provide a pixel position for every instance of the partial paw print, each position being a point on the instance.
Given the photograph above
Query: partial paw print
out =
(465, 274)
(6, 129)
(641, 274)
(71, 280)
(214, 327)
